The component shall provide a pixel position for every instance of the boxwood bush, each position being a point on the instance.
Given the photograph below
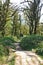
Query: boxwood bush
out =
(31, 42)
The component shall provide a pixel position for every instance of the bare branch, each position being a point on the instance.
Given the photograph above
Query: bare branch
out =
(26, 2)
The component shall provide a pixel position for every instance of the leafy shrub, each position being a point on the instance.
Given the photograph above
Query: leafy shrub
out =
(7, 41)
(39, 51)
(31, 42)
(3, 50)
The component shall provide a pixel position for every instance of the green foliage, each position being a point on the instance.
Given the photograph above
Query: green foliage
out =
(31, 42)
(3, 50)
(7, 41)
(15, 23)
(12, 61)
(39, 51)
(4, 8)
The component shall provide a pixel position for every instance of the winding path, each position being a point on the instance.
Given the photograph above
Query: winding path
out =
(25, 57)
(18, 48)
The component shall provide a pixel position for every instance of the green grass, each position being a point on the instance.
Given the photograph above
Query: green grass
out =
(41, 56)
(12, 61)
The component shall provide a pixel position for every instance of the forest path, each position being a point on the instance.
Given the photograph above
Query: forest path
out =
(24, 57)
(17, 45)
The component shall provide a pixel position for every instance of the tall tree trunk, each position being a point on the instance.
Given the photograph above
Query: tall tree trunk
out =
(35, 28)
(3, 32)
(31, 28)
(15, 31)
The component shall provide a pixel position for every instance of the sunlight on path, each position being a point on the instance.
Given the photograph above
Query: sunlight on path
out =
(23, 59)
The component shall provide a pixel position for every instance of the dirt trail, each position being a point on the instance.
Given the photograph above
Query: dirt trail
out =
(24, 57)
(18, 48)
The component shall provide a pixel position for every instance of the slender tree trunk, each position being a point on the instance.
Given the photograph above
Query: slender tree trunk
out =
(15, 31)
(35, 29)
(3, 32)
(31, 28)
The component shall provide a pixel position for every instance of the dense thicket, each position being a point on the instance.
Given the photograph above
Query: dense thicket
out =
(33, 42)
